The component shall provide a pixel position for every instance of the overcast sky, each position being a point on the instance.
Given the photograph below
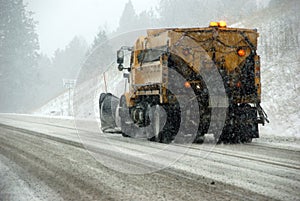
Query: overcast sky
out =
(60, 20)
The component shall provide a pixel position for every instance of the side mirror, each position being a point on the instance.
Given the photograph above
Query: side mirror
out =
(120, 67)
(120, 57)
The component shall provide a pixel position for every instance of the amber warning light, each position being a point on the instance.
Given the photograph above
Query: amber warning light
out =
(221, 24)
(187, 85)
(241, 52)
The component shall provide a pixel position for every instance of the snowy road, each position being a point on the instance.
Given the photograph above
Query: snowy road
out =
(44, 159)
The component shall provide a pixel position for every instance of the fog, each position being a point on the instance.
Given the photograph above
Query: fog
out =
(61, 20)
(40, 49)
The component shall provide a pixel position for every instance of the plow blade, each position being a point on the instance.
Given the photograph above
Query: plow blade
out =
(108, 105)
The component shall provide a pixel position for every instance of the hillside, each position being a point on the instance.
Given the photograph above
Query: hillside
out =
(279, 47)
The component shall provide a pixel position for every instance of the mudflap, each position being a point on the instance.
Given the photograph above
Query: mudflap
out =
(247, 126)
(108, 105)
(241, 125)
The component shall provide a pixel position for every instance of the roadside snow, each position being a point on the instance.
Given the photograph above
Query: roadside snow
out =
(59, 106)
(279, 48)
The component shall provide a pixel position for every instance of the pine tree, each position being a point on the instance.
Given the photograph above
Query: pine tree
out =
(18, 56)
(175, 13)
(66, 63)
(147, 19)
(274, 3)
(128, 20)
(100, 39)
(99, 56)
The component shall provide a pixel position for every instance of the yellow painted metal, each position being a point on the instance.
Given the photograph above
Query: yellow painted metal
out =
(199, 48)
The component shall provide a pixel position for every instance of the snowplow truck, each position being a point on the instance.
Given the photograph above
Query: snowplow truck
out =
(194, 54)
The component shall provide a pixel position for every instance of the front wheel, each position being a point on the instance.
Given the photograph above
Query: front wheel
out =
(126, 123)
(165, 122)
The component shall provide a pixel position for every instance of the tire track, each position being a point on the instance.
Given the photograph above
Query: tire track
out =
(73, 182)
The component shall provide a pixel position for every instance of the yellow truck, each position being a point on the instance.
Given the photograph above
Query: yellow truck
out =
(199, 58)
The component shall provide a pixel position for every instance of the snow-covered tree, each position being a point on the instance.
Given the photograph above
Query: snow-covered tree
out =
(147, 19)
(18, 56)
(201, 12)
(100, 38)
(181, 13)
(128, 20)
(99, 56)
(67, 62)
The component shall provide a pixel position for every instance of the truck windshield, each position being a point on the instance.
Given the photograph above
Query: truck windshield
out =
(150, 55)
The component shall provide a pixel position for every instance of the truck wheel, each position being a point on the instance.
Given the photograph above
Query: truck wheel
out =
(199, 139)
(164, 124)
(247, 137)
(155, 120)
(126, 127)
(171, 127)
(247, 126)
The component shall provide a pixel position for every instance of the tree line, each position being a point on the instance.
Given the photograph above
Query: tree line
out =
(29, 78)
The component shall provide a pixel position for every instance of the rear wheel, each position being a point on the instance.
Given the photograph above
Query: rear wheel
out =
(241, 126)
(248, 127)
(171, 127)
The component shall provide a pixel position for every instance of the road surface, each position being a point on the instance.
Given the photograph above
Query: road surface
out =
(45, 159)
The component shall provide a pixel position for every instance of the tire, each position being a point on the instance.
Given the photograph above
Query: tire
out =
(237, 128)
(155, 121)
(171, 127)
(164, 132)
(249, 126)
(126, 128)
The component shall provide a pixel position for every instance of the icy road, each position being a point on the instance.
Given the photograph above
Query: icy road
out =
(44, 159)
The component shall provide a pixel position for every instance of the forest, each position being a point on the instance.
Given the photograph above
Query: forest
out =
(29, 78)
